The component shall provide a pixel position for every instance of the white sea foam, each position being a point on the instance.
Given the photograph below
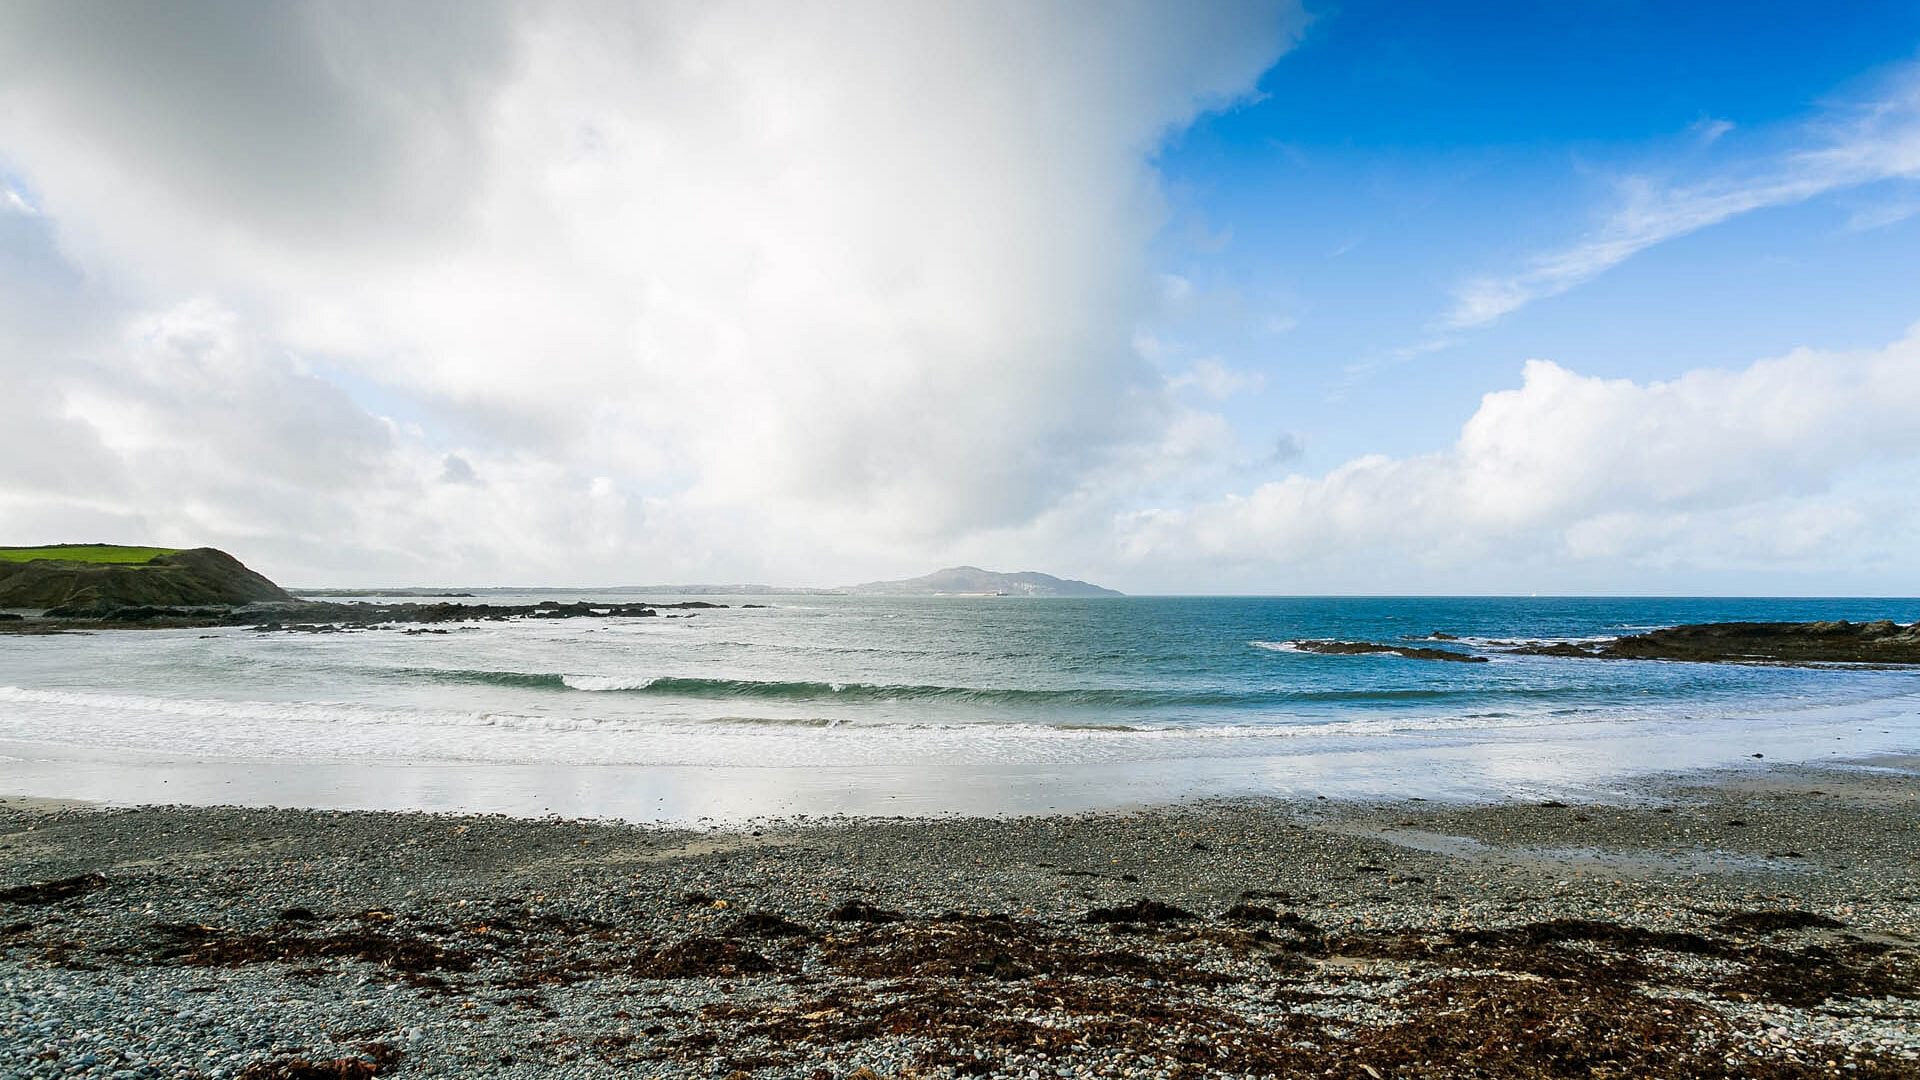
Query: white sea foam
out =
(605, 682)
(343, 730)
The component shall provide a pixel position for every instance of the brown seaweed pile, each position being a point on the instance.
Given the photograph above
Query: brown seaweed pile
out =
(373, 1059)
(1253, 991)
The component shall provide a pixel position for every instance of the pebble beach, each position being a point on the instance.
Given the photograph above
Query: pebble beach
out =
(1751, 924)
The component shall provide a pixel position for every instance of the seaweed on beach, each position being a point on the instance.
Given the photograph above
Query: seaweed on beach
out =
(1598, 952)
(558, 962)
(1820, 973)
(1767, 922)
(697, 958)
(406, 953)
(1553, 998)
(861, 911)
(374, 1059)
(998, 948)
(52, 892)
(1244, 912)
(1513, 1027)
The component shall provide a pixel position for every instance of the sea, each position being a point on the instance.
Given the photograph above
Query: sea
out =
(835, 704)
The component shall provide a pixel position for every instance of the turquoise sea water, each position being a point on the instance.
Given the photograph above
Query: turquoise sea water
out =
(982, 686)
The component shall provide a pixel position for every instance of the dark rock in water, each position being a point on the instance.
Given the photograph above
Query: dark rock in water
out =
(1826, 642)
(1552, 648)
(1358, 648)
(1441, 635)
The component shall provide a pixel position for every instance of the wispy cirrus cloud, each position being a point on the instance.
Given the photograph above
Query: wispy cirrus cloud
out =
(1846, 147)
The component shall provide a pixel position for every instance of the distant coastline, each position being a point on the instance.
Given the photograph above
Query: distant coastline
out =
(973, 581)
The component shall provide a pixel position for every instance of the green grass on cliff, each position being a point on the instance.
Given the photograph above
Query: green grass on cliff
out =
(85, 553)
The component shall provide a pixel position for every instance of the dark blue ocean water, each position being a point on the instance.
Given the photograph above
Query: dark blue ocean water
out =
(839, 681)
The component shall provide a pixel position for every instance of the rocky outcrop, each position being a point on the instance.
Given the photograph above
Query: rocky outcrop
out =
(316, 617)
(198, 577)
(1411, 652)
(1882, 642)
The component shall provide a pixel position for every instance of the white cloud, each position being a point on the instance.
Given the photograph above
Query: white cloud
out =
(853, 276)
(1711, 468)
(17, 203)
(1846, 148)
(1709, 130)
(806, 293)
(1215, 380)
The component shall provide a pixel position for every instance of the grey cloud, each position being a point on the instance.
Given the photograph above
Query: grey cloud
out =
(1286, 447)
(455, 469)
(868, 271)
(324, 122)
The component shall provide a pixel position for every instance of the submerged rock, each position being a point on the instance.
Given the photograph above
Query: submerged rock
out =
(1411, 652)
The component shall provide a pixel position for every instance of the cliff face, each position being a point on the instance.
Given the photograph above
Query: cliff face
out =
(191, 578)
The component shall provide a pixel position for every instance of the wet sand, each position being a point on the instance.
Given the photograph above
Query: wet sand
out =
(1588, 761)
(1764, 922)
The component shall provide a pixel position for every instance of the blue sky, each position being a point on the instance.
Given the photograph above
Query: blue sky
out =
(1598, 297)
(1403, 148)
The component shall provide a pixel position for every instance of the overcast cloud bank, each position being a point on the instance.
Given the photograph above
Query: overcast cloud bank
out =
(806, 293)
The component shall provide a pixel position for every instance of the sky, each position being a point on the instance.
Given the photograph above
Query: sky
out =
(1235, 297)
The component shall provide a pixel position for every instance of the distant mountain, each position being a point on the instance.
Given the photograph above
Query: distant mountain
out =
(971, 580)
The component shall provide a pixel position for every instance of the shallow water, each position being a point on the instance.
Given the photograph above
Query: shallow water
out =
(824, 703)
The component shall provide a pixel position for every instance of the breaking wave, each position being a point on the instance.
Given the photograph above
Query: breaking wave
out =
(1012, 697)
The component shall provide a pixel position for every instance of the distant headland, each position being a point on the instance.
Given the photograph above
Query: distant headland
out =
(973, 581)
(104, 576)
(63, 587)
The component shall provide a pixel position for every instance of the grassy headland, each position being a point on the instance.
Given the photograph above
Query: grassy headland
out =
(97, 554)
(97, 579)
